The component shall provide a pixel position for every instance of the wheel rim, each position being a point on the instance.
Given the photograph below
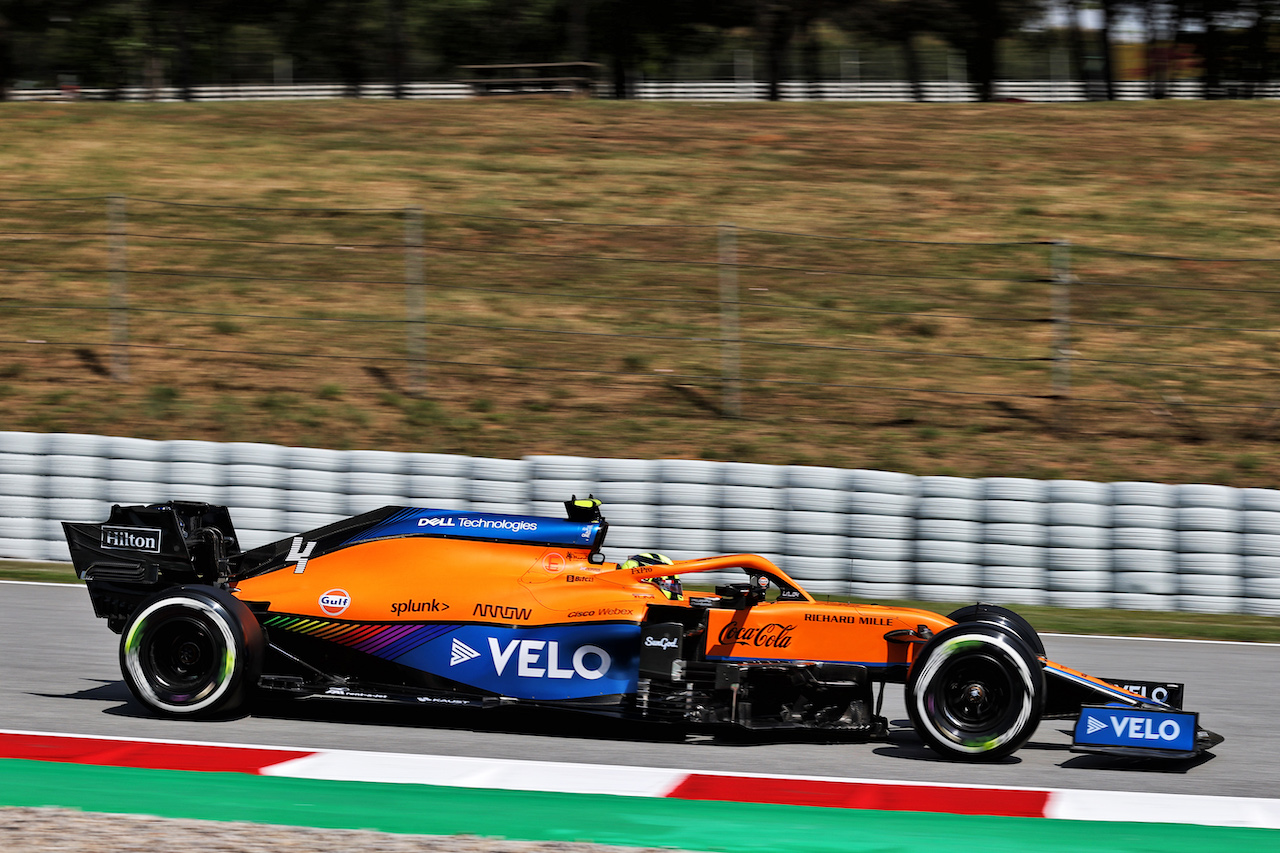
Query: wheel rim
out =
(972, 699)
(183, 658)
(974, 694)
(180, 655)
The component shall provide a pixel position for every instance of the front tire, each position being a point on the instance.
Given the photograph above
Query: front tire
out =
(975, 692)
(1005, 618)
(191, 651)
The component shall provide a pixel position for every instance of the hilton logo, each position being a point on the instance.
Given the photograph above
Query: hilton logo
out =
(131, 538)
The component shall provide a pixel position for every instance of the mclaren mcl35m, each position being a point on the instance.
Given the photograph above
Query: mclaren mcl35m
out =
(467, 609)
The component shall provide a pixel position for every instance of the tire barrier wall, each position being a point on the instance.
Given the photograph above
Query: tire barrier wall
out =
(874, 534)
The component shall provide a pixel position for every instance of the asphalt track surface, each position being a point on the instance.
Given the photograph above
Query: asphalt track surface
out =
(59, 672)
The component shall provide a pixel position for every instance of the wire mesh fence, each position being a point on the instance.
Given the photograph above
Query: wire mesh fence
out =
(280, 306)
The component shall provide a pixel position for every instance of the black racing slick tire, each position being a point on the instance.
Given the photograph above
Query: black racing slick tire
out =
(1003, 616)
(975, 692)
(192, 651)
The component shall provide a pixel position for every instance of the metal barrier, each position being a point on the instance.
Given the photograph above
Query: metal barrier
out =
(691, 90)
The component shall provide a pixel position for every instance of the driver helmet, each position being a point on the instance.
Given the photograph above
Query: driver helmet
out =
(669, 585)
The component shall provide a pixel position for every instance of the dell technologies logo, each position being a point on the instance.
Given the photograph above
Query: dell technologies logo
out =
(131, 539)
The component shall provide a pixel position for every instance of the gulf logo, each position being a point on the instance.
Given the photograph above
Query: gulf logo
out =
(335, 602)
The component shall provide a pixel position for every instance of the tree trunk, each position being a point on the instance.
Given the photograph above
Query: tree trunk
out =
(812, 61)
(1104, 35)
(349, 65)
(1157, 57)
(1256, 77)
(980, 62)
(913, 67)
(395, 45)
(577, 35)
(1075, 42)
(778, 35)
(1212, 59)
(6, 58)
(183, 74)
(621, 43)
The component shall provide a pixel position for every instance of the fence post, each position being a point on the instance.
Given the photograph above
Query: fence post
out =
(1062, 331)
(118, 301)
(415, 301)
(730, 361)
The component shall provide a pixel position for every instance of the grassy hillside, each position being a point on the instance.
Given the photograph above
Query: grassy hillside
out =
(859, 354)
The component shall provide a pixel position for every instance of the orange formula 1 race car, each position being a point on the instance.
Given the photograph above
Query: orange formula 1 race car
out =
(450, 608)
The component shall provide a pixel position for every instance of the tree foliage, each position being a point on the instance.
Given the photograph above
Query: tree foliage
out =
(115, 43)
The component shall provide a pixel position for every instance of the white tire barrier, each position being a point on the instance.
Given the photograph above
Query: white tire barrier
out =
(1015, 489)
(1204, 547)
(1144, 494)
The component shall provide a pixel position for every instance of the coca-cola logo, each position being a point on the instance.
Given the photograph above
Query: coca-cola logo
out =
(772, 636)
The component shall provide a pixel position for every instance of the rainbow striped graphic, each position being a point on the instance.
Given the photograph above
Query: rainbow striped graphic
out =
(385, 641)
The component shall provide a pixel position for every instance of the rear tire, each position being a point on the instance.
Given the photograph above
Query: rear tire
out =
(191, 651)
(975, 692)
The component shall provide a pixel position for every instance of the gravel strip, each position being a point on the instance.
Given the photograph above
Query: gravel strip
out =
(45, 829)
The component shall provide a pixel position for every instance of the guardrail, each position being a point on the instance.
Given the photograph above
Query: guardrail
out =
(693, 90)
(876, 534)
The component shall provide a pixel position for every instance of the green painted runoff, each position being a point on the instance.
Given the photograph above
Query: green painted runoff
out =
(599, 818)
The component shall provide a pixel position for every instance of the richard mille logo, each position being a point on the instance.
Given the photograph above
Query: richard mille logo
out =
(460, 652)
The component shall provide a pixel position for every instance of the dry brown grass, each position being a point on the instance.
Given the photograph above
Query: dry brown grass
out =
(1179, 178)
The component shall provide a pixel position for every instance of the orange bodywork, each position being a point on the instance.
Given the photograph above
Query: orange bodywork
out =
(422, 579)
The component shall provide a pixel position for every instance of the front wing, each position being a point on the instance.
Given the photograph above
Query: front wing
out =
(1135, 719)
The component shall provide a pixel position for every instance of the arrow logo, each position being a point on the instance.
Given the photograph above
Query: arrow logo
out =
(461, 653)
(1093, 724)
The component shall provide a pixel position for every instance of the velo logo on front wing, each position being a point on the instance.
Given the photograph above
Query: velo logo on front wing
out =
(1136, 728)
(1141, 728)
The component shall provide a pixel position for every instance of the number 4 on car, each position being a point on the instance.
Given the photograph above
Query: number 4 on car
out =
(439, 607)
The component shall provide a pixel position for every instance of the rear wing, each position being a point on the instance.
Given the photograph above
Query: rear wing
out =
(140, 550)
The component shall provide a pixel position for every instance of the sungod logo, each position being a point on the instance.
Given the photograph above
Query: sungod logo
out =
(131, 538)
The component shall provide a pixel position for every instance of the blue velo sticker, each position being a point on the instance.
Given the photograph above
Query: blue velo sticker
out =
(1135, 728)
